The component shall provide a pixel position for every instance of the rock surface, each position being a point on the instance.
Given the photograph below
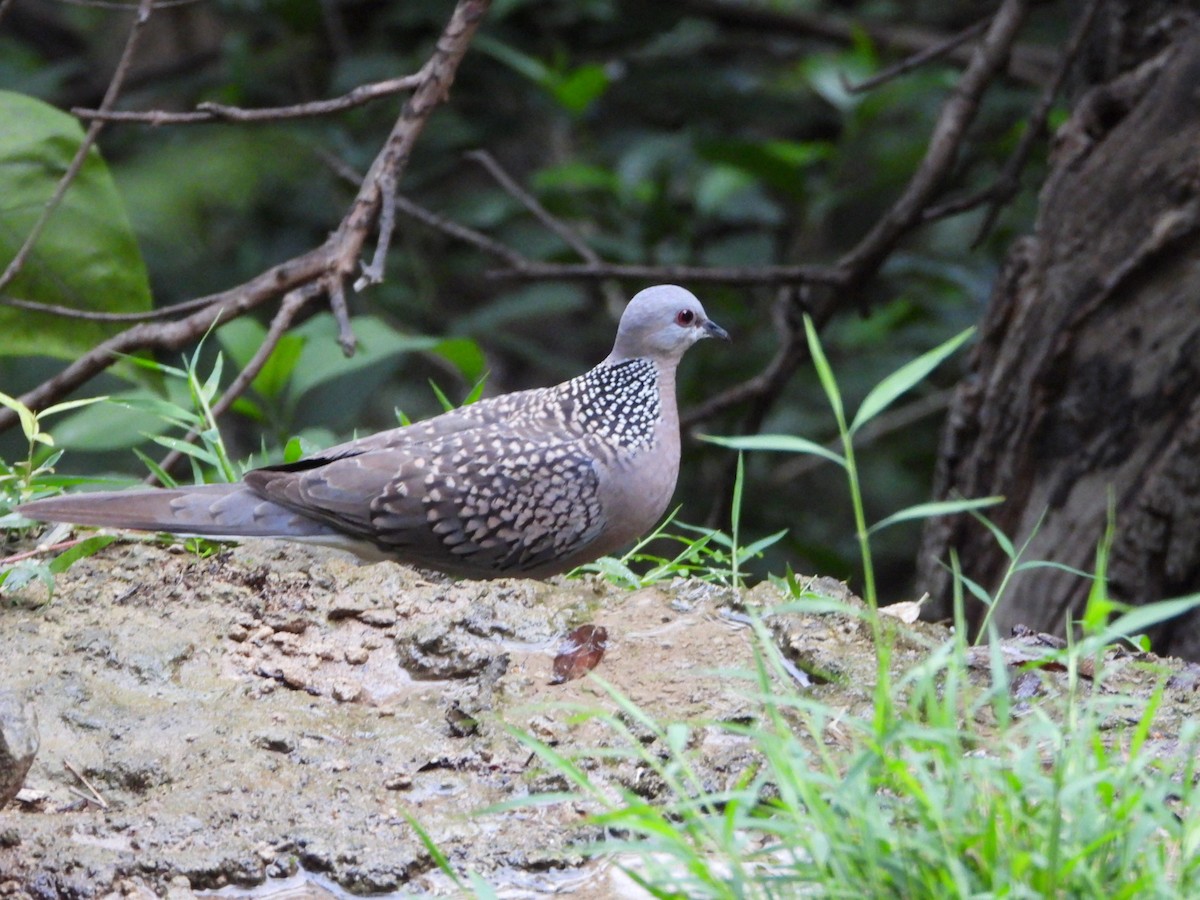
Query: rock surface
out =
(267, 719)
(18, 743)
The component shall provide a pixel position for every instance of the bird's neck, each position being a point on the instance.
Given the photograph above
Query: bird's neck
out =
(623, 401)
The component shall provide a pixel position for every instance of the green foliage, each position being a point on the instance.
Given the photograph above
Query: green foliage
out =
(32, 478)
(85, 258)
(34, 475)
(711, 556)
(956, 796)
(877, 400)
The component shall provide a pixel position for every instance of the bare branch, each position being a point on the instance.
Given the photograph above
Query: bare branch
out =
(332, 263)
(173, 335)
(1029, 63)
(864, 260)
(218, 112)
(88, 315)
(956, 114)
(748, 275)
(341, 314)
(793, 349)
(1009, 181)
(929, 54)
(373, 273)
(566, 234)
(437, 76)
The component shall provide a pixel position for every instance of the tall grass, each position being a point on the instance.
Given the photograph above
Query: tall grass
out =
(957, 784)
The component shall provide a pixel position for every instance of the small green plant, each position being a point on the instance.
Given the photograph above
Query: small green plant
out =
(876, 401)
(31, 478)
(34, 476)
(208, 456)
(710, 554)
(961, 797)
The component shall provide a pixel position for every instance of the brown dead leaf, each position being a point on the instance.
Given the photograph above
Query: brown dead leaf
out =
(580, 653)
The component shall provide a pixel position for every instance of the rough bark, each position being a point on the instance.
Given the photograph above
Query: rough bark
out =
(1085, 384)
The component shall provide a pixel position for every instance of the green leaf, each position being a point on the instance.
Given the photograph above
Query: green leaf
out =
(86, 258)
(85, 548)
(1140, 619)
(751, 551)
(242, 338)
(779, 164)
(164, 477)
(25, 415)
(824, 372)
(782, 443)
(447, 406)
(936, 508)
(903, 379)
(293, 450)
(321, 359)
(578, 89)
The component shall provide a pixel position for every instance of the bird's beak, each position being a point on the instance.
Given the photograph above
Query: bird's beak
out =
(712, 329)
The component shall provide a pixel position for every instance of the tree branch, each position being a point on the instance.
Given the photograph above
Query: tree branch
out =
(1028, 63)
(332, 263)
(218, 112)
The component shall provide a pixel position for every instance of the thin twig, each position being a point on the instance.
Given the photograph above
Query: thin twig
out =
(341, 314)
(1008, 182)
(89, 139)
(792, 351)
(332, 262)
(956, 114)
(438, 75)
(40, 550)
(289, 307)
(86, 315)
(864, 260)
(906, 65)
(96, 797)
(1027, 62)
(747, 275)
(566, 234)
(461, 232)
(219, 112)
(372, 273)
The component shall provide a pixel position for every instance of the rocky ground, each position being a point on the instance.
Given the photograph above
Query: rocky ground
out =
(263, 722)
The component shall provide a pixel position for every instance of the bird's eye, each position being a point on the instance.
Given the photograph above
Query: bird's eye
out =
(684, 317)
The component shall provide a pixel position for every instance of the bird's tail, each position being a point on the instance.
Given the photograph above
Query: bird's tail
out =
(214, 510)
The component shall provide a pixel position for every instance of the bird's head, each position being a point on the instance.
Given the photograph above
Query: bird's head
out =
(660, 323)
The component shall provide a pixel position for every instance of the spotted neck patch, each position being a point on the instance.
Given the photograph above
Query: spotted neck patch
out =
(619, 402)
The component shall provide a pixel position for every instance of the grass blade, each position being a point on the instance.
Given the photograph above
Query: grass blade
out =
(936, 508)
(780, 443)
(904, 379)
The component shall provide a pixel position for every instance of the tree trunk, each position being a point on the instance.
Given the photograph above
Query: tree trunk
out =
(1085, 385)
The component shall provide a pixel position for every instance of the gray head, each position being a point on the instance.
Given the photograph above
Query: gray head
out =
(660, 323)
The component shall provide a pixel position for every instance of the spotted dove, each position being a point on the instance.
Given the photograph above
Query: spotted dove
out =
(531, 483)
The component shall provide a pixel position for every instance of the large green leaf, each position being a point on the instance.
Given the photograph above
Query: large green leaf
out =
(87, 257)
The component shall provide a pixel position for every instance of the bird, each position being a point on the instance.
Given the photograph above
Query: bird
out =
(527, 484)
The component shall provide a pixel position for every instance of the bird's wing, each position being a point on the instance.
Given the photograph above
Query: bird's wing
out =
(485, 499)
